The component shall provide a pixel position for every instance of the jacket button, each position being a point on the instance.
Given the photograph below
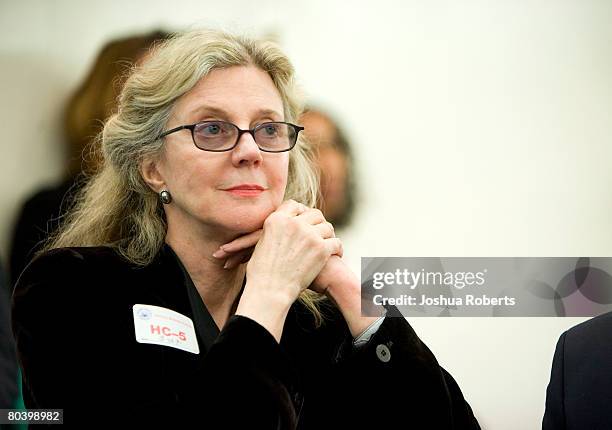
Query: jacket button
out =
(383, 353)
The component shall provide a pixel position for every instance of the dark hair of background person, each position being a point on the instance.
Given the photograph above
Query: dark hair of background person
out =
(84, 114)
(329, 136)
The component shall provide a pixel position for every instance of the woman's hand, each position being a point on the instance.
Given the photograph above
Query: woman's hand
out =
(328, 273)
(239, 250)
(292, 249)
(295, 244)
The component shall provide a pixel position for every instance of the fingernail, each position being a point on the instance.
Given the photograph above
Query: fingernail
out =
(226, 265)
(218, 253)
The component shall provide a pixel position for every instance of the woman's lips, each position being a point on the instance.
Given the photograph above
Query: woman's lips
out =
(245, 193)
(246, 190)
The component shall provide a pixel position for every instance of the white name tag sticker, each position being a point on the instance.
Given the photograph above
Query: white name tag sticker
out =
(161, 326)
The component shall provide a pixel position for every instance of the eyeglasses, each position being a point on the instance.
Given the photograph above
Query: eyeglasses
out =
(219, 136)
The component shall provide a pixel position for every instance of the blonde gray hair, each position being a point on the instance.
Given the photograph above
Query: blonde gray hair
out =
(116, 207)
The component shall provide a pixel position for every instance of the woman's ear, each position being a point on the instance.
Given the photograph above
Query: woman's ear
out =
(151, 174)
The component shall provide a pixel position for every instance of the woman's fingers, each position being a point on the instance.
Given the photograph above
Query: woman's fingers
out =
(334, 246)
(238, 258)
(291, 208)
(312, 216)
(240, 249)
(325, 229)
(238, 244)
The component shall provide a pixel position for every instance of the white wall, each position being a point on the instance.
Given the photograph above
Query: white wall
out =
(496, 139)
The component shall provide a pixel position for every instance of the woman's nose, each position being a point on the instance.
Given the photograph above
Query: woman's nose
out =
(246, 151)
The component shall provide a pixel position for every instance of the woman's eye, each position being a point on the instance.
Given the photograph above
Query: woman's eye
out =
(212, 129)
(270, 130)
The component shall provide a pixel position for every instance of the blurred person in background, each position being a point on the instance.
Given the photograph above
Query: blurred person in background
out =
(84, 115)
(335, 161)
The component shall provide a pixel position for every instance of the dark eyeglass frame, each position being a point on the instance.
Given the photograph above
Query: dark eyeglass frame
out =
(191, 127)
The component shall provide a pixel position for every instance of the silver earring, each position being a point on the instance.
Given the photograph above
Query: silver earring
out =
(165, 197)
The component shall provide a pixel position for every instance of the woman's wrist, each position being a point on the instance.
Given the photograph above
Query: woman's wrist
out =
(267, 308)
(345, 292)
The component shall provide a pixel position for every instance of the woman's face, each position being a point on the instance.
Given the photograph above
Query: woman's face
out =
(200, 181)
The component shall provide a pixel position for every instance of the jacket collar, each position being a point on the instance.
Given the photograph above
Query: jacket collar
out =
(205, 326)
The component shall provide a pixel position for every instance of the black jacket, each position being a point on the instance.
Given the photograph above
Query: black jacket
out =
(579, 394)
(74, 328)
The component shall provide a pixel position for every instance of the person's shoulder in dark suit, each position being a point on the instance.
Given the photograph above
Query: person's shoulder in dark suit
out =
(579, 395)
